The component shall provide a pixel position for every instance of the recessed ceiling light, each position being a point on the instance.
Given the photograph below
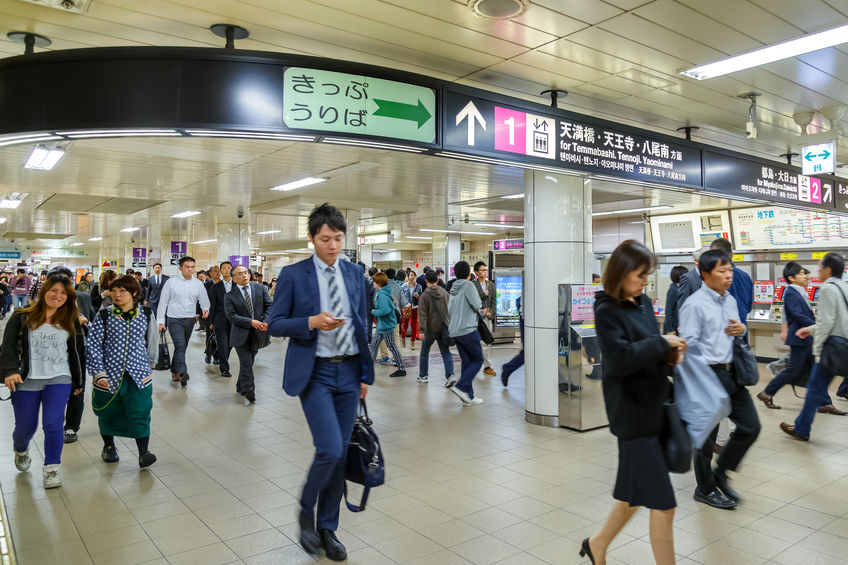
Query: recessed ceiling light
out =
(630, 210)
(513, 196)
(498, 9)
(456, 231)
(95, 238)
(299, 183)
(2, 220)
(516, 226)
(186, 214)
(267, 232)
(12, 200)
(204, 241)
(77, 244)
(130, 229)
(777, 52)
(44, 159)
(417, 237)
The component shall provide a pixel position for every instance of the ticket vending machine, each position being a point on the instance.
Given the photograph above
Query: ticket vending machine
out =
(581, 398)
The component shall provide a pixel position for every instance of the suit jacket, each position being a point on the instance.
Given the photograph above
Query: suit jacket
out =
(238, 314)
(216, 304)
(798, 315)
(296, 298)
(84, 305)
(153, 291)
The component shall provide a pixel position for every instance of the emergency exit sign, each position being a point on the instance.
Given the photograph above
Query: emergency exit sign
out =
(818, 159)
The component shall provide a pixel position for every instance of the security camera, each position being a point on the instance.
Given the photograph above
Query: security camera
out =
(240, 212)
(68, 4)
(12, 240)
(467, 219)
(751, 129)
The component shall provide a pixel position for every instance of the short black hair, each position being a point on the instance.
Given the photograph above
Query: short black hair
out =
(426, 270)
(461, 270)
(723, 245)
(413, 272)
(595, 276)
(479, 264)
(390, 273)
(678, 272)
(440, 270)
(45, 273)
(21, 271)
(61, 271)
(400, 276)
(154, 264)
(326, 215)
(792, 269)
(373, 271)
(431, 277)
(712, 259)
(836, 263)
(225, 263)
(130, 271)
(186, 259)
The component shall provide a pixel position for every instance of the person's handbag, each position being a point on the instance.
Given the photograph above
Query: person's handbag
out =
(406, 312)
(364, 464)
(258, 339)
(676, 443)
(483, 330)
(834, 354)
(164, 361)
(746, 371)
(211, 343)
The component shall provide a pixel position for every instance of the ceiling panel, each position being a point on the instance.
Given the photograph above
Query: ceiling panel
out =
(590, 11)
(809, 15)
(748, 18)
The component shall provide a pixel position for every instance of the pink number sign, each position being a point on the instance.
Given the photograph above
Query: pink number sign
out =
(510, 134)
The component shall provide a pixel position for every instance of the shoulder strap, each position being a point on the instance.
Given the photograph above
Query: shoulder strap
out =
(841, 291)
(104, 315)
(148, 311)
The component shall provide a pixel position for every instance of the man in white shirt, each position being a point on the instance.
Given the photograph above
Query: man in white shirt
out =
(178, 302)
(709, 317)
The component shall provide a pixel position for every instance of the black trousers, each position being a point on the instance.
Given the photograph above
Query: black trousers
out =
(73, 413)
(222, 335)
(744, 415)
(245, 376)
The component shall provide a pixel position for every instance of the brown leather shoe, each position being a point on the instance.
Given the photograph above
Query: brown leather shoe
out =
(175, 377)
(790, 430)
(489, 371)
(831, 409)
(767, 401)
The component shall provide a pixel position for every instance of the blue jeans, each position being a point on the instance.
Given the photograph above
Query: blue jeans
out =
(180, 330)
(51, 401)
(471, 354)
(424, 360)
(329, 403)
(19, 300)
(816, 396)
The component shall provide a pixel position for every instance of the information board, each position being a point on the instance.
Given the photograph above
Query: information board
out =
(178, 251)
(508, 244)
(763, 292)
(583, 301)
(139, 257)
(677, 233)
(782, 228)
(476, 125)
(508, 290)
(339, 102)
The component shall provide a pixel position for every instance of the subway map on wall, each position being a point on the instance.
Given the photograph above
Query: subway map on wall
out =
(781, 228)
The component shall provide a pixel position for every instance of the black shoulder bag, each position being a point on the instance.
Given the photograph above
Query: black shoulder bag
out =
(364, 464)
(675, 440)
(834, 355)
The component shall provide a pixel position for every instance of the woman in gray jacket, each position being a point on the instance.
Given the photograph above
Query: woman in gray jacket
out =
(832, 320)
(465, 308)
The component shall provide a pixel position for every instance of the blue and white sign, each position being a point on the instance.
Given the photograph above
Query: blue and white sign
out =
(10, 254)
(818, 159)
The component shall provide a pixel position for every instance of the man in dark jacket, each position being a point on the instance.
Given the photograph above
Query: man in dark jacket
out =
(488, 296)
(433, 319)
(218, 315)
(246, 305)
(154, 287)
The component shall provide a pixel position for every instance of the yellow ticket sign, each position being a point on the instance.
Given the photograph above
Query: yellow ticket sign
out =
(819, 255)
(788, 256)
(738, 257)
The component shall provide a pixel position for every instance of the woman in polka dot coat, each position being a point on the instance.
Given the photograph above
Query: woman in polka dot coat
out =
(122, 347)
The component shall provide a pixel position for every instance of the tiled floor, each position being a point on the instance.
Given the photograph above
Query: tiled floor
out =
(464, 485)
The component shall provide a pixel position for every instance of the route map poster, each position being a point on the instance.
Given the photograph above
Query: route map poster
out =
(781, 228)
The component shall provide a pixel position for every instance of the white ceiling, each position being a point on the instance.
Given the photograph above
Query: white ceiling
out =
(620, 59)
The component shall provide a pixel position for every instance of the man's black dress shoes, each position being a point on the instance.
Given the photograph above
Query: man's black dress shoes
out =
(332, 546)
(715, 499)
(721, 483)
(309, 538)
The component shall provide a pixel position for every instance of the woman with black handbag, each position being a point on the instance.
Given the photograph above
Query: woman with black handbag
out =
(830, 347)
(636, 361)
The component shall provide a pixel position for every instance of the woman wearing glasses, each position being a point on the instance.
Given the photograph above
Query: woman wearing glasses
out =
(42, 359)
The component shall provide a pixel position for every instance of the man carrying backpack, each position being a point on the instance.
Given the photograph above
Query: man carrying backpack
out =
(21, 286)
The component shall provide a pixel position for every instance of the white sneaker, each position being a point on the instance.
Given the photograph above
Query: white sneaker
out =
(451, 381)
(423, 379)
(51, 476)
(22, 461)
(475, 400)
(463, 396)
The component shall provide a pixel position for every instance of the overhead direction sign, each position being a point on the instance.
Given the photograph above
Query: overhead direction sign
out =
(818, 159)
(346, 103)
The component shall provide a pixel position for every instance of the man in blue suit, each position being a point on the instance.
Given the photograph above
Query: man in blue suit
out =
(321, 305)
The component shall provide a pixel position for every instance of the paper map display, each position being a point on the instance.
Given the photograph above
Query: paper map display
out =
(688, 232)
(781, 228)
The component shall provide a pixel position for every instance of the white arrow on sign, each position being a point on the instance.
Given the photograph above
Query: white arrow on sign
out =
(471, 112)
(828, 195)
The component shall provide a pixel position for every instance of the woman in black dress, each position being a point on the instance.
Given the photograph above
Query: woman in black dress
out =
(636, 363)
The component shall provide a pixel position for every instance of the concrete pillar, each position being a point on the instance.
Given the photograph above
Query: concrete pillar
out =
(366, 255)
(557, 249)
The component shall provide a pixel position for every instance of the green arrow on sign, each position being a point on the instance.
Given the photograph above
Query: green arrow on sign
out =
(825, 155)
(810, 156)
(401, 111)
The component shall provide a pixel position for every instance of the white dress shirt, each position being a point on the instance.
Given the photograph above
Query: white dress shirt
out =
(180, 297)
(228, 285)
(327, 340)
(703, 319)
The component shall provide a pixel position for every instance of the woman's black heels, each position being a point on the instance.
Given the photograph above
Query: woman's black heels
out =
(586, 550)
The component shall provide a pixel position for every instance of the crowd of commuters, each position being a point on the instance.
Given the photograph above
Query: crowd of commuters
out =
(336, 317)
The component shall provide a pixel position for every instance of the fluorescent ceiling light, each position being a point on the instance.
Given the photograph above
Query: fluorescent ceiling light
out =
(204, 241)
(186, 214)
(516, 226)
(513, 196)
(299, 183)
(44, 159)
(2, 220)
(248, 134)
(373, 144)
(119, 133)
(418, 237)
(784, 50)
(130, 229)
(12, 200)
(455, 231)
(32, 139)
(630, 210)
(77, 244)
(267, 232)
(95, 238)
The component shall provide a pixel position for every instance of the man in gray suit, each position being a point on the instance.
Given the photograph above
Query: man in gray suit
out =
(154, 287)
(246, 305)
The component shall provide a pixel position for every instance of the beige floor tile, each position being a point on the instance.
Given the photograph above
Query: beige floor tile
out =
(785, 530)
(258, 542)
(835, 546)
(149, 513)
(215, 554)
(422, 517)
(720, 552)
(240, 526)
(409, 547)
(128, 555)
(379, 530)
(104, 541)
(180, 542)
(484, 550)
(757, 543)
(451, 533)
(172, 525)
(368, 556)
(288, 555)
(521, 559)
(491, 520)
(72, 552)
(100, 524)
(525, 535)
(796, 555)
